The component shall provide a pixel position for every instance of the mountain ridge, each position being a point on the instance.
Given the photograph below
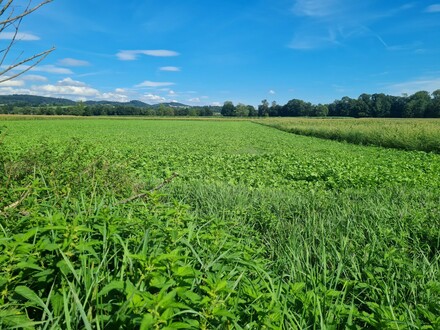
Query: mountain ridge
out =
(36, 100)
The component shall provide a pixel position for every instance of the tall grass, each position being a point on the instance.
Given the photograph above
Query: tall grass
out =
(365, 258)
(406, 134)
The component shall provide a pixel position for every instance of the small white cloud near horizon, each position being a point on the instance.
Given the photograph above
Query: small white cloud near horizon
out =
(70, 82)
(194, 100)
(22, 36)
(131, 55)
(73, 62)
(152, 98)
(272, 92)
(169, 68)
(435, 8)
(148, 83)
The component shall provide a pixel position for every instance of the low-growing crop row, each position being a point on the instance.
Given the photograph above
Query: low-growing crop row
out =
(258, 229)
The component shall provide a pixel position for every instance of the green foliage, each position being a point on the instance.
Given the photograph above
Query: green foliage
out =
(406, 134)
(262, 229)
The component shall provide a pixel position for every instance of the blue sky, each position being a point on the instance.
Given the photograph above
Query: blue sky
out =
(206, 52)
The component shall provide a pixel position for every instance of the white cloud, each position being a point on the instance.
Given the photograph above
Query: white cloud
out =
(34, 77)
(435, 8)
(216, 104)
(118, 97)
(410, 87)
(170, 68)
(148, 83)
(272, 92)
(13, 90)
(19, 36)
(131, 55)
(73, 62)
(51, 69)
(60, 90)
(70, 82)
(171, 92)
(194, 100)
(152, 98)
(120, 90)
(12, 83)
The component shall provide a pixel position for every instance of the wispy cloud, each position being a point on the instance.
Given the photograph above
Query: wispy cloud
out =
(73, 62)
(148, 83)
(19, 36)
(12, 83)
(41, 68)
(52, 69)
(131, 55)
(34, 77)
(169, 68)
(410, 87)
(316, 8)
(330, 23)
(272, 92)
(435, 8)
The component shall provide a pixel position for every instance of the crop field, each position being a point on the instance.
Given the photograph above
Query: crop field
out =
(178, 224)
(406, 134)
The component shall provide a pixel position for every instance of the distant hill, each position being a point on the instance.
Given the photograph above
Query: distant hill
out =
(34, 100)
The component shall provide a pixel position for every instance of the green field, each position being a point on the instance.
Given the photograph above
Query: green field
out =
(113, 223)
(406, 134)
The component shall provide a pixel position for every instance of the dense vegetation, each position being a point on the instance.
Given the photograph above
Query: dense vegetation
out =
(419, 105)
(261, 228)
(406, 134)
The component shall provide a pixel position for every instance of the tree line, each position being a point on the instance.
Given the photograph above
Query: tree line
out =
(421, 104)
(81, 109)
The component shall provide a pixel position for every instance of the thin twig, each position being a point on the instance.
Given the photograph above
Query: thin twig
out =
(165, 182)
(25, 13)
(40, 56)
(16, 203)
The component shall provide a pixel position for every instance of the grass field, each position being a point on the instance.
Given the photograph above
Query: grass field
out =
(259, 228)
(406, 134)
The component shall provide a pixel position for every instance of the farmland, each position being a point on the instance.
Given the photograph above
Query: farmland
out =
(406, 134)
(213, 224)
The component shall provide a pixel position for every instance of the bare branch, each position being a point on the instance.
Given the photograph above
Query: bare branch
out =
(25, 13)
(40, 57)
(16, 19)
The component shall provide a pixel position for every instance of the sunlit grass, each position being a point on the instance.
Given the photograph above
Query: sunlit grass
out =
(407, 134)
(261, 228)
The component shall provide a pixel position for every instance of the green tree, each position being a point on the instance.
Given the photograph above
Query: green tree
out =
(434, 109)
(228, 109)
(417, 105)
(252, 111)
(263, 109)
(241, 110)
(320, 110)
